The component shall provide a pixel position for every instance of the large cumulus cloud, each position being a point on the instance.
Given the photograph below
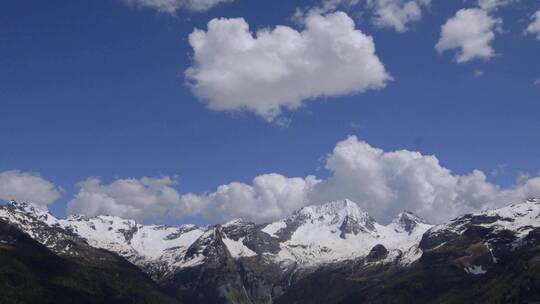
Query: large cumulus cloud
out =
(383, 183)
(275, 69)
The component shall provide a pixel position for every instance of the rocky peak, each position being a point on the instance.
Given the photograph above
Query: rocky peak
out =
(26, 208)
(377, 253)
(31, 216)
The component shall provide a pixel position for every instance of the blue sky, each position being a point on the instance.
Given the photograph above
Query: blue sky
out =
(97, 89)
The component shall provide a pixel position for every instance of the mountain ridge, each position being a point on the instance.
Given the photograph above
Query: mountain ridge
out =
(307, 237)
(243, 262)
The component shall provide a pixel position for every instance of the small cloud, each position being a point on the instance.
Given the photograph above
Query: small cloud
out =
(522, 177)
(491, 5)
(356, 125)
(28, 187)
(478, 73)
(171, 6)
(534, 27)
(471, 32)
(284, 122)
(397, 14)
(537, 81)
(499, 170)
(393, 14)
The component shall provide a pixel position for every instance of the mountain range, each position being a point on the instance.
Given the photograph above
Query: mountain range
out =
(330, 253)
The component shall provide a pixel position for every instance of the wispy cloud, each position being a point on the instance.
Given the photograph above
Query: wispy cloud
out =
(534, 26)
(171, 6)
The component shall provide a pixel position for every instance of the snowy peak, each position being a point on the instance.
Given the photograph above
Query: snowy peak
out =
(341, 207)
(31, 217)
(407, 222)
(327, 233)
(27, 209)
(237, 223)
(346, 215)
(340, 230)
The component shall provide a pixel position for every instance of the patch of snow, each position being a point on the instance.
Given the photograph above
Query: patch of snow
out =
(475, 270)
(234, 222)
(5, 242)
(237, 249)
(273, 228)
(493, 258)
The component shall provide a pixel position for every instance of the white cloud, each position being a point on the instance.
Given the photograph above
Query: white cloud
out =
(129, 198)
(281, 67)
(493, 4)
(171, 6)
(27, 187)
(382, 183)
(385, 183)
(472, 32)
(397, 13)
(534, 27)
(269, 197)
(478, 73)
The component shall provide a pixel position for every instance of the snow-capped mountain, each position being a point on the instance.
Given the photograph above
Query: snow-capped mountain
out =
(496, 234)
(156, 249)
(313, 235)
(259, 263)
(486, 257)
(517, 218)
(339, 231)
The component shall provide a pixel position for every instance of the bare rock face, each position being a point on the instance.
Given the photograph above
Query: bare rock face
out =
(377, 253)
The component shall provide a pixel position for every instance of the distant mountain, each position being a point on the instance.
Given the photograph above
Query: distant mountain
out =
(332, 253)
